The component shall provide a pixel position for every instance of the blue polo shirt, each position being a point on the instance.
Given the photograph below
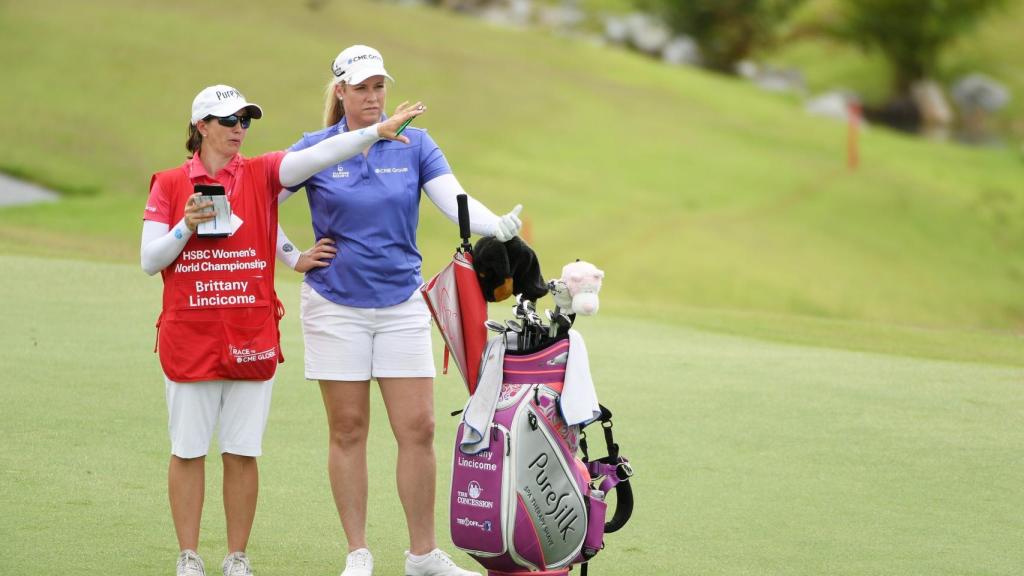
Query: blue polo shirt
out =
(369, 205)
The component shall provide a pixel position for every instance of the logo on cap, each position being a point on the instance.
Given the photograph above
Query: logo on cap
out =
(364, 57)
(338, 70)
(228, 94)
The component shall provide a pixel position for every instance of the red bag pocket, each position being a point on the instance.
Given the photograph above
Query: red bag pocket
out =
(249, 350)
(190, 348)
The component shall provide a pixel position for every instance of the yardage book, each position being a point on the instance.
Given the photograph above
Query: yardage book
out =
(220, 226)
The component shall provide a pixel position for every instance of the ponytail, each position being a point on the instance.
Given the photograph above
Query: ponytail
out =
(195, 140)
(334, 111)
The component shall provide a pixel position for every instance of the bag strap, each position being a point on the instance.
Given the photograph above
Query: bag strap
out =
(615, 470)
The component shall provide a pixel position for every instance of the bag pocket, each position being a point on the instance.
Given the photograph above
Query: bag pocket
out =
(551, 532)
(190, 350)
(477, 498)
(250, 346)
(596, 510)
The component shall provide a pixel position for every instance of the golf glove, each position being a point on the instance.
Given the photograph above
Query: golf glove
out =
(509, 225)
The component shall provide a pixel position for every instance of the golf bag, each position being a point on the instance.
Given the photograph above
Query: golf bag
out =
(525, 503)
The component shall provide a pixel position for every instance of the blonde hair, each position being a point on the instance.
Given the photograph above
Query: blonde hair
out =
(334, 111)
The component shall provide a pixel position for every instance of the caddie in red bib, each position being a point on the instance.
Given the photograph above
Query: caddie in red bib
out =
(220, 311)
(210, 228)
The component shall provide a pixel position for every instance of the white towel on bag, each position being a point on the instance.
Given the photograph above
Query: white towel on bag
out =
(579, 398)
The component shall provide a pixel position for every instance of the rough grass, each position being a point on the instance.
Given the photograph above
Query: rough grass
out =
(993, 48)
(688, 189)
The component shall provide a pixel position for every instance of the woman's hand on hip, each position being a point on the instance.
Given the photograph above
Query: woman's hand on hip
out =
(388, 129)
(198, 210)
(319, 256)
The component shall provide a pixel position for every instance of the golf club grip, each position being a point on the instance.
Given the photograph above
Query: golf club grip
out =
(463, 201)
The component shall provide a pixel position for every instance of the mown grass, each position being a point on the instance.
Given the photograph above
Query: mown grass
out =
(751, 457)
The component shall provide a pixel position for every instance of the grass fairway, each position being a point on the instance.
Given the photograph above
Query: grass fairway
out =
(814, 371)
(752, 457)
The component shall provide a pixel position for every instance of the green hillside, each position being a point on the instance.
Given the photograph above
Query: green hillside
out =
(694, 192)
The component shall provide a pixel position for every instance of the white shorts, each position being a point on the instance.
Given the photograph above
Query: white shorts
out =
(356, 344)
(194, 409)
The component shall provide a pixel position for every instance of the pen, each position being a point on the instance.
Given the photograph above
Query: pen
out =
(403, 126)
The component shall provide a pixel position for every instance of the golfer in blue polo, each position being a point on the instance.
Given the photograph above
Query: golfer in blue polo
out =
(362, 315)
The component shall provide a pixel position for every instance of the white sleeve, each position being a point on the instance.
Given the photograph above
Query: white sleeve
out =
(298, 166)
(442, 192)
(162, 244)
(286, 251)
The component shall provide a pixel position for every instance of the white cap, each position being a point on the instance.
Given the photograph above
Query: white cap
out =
(357, 63)
(221, 100)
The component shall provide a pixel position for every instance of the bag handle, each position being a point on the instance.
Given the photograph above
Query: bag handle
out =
(463, 202)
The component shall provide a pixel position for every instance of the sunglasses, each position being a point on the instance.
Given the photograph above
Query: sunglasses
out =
(230, 121)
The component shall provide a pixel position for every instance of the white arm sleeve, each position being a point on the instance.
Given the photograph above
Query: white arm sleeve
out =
(161, 244)
(286, 251)
(283, 195)
(298, 166)
(442, 192)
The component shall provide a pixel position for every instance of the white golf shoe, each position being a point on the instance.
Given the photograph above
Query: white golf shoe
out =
(359, 563)
(190, 564)
(434, 563)
(236, 564)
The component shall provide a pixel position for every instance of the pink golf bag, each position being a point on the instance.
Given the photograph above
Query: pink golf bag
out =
(523, 502)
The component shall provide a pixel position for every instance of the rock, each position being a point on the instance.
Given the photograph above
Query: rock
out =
(464, 5)
(616, 30)
(834, 104)
(565, 16)
(935, 113)
(511, 14)
(977, 98)
(681, 50)
(898, 113)
(647, 33)
(746, 69)
(780, 80)
(978, 91)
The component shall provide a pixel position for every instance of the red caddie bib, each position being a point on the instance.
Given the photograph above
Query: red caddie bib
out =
(220, 312)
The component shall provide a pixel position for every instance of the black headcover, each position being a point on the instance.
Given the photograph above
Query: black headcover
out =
(507, 268)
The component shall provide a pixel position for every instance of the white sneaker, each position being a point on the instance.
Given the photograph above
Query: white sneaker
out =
(190, 564)
(359, 563)
(435, 563)
(236, 564)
